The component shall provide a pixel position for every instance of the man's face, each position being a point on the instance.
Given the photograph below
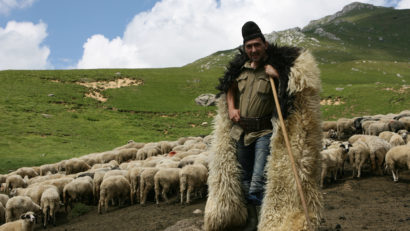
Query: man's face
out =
(256, 49)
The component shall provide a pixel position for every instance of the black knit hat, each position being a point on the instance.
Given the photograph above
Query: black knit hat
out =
(251, 31)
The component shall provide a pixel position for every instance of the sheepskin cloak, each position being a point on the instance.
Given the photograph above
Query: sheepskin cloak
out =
(282, 208)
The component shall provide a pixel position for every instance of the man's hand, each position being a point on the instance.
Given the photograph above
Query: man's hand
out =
(271, 71)
(234, 114)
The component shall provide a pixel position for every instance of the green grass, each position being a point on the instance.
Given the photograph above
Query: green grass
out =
(44, 116)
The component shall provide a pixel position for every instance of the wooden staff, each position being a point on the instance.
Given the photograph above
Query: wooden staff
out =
(292, 160)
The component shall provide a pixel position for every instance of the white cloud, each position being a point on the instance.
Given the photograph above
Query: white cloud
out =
(403, 4)
(176, 32)
(21, 46)
(7, 5)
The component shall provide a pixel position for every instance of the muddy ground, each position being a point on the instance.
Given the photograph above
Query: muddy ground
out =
(371, 203)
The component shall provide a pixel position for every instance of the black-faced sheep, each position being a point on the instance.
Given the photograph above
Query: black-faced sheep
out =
(26, 223)
(167, 179)
(396, 158)
(113, 187)
(19, 205)
(192, 178)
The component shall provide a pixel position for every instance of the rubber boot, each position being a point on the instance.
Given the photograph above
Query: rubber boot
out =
(252, 221)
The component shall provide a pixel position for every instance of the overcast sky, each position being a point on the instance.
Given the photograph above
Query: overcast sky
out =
(84, 34)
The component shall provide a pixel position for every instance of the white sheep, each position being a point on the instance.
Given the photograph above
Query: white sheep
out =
(46, 168)
(332, 160)
(113, 187)
(26, 171)
(358, 154)
(396, 140)
(396, 158)
(35, 191)
(50, 203)
(26, 223)
(191, 178)
(15, 181)
(126, 154)
(386, 135)
(76, 165)
(167, 179)
(3, 199)
(134, 177)
(377, 127)
(131, 144)
(327, 125)
(19, 205)
(79, 189)
(146, 183)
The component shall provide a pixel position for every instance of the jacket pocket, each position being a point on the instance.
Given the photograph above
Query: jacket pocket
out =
(263, 85)
(242, 82)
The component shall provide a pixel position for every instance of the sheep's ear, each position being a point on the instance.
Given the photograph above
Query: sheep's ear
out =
(23, 216)
(350, 145)
(342, 145)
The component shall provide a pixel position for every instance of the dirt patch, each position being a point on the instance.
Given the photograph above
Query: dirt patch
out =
(330, 101)
(97, 87)
(370, 203)
(401, 90)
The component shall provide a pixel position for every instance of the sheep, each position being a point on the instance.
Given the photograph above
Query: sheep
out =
(167, 178)
(113, 187)
(396, 140)
(130, 144)
(126, 154)
(377, 127)
(26, 223)
(386, 135)
(19, 205)
(78, 189)
(15, 181)
(98, 178)
(332, 160)
(61, 165)
(46, 168)
(26, 171)
(2, 213)
(406, 121)
(40, 179)
(134, 175)
(49, 203)
(146, 183)
(111, 165)
(36, 191)
(366, 125)
(108, 156)
(192, 177)
(60, 183)
(398, 157)
(4, 198)
(3, 178)
(358, 154)
(395, 125)
(345, 127)
(76, 165)
(327, 125)
(404, 134)
(166, 146)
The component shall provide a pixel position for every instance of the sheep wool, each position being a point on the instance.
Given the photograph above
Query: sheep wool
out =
(281, 208)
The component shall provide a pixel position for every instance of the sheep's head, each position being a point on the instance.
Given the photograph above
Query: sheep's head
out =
(28, 217)
(403, 134)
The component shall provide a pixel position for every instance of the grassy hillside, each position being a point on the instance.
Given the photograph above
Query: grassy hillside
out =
(45, 116)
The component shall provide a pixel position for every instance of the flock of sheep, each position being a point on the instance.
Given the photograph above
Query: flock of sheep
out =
(380, 140)
(126, 174)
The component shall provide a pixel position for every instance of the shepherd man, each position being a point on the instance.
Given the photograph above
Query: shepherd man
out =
(251, 182)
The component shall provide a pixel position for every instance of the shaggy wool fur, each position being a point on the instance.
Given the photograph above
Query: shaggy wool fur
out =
(281, 208)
